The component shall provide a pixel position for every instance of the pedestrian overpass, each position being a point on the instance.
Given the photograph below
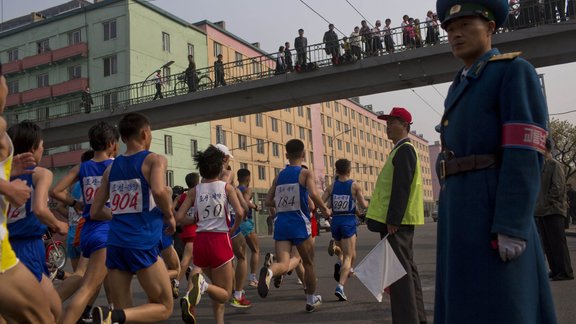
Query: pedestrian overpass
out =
(542, 45)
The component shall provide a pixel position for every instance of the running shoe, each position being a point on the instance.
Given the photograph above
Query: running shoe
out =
(187, 311)
(268, 260)
(101, 315)
(253, 283)
(340, 294)
(240, 303)
(278, 281)
(264, 282)
(195, 294)
(175, 288)
(317, 302)
(331, 248)
(337, 272)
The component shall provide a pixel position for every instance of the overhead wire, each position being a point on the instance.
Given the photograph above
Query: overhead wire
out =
(361, 15)
(426, 102)
(316, 12)
(563, 113)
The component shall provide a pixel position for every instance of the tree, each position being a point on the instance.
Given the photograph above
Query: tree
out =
(564, 136)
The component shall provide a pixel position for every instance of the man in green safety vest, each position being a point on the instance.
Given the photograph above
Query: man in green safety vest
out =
(396, 207)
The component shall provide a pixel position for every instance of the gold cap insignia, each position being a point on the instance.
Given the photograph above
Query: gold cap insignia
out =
(455, 9)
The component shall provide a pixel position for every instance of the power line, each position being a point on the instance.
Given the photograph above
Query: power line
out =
(426, 102)
(438, 92)
(563, 113)
(361, 15)
(316, 12)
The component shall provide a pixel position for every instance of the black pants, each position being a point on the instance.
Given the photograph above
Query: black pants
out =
(219, 79)
(406, 300)
(301, 58)
(158, 93)
(553, 236)
(356, 51)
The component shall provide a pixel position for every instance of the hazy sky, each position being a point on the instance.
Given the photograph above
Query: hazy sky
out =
(273, 22)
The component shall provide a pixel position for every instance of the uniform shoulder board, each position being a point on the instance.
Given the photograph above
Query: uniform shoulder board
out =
(505, 56)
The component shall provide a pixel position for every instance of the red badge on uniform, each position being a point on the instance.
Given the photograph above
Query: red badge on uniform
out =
(526, 136)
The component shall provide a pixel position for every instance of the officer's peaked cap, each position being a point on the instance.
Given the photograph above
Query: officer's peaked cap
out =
(496, 10)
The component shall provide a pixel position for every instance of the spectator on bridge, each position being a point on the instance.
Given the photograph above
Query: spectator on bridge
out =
(190, 74)
(366, 34)
(159, 83)
(554, 9)
(417, 33)
(405, 31)
(280, 63)
(356, 43)
(551, 217)
(288, 57)
(332, 46)
(571, 195)
(388, 41)
(571, 11)
(347, 50)
(301, 46)
(432, 28)
(219, 72)
(87, 101)
(376, 38)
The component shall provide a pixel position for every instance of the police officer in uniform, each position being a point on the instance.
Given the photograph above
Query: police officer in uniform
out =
(490, 266)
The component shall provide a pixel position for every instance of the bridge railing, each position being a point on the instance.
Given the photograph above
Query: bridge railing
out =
(265, 66)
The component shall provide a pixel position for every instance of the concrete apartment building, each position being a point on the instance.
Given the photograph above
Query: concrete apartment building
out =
(52, 55)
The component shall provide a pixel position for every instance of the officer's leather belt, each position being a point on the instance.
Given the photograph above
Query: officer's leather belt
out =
(453, 166)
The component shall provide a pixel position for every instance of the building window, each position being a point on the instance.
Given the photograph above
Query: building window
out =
(260, 146)
(165, 42)
(256, 66)
(110, 65)
(274, 124)
(347, 147)
(74, 72)
(336, 108)
(190, 49)
(261, 172)
(288, 128)
(42, 46)
(13, 87)
(310, 135)
(367, 137)
(110, 100)
(166, 72)
(302, 133)
(363, 151)
(277, 171)
(193, 147)
(275, 149)
(74, 37)
(355, 149)
(42, 80)
(300, 111)
(330, 144)
(367, 120)
(242, 119)
(238, 59)
(369, 153)
(329, 121)
(337, 125)
(345, 111)
(243, 165)
(352, 114)
(74, 107)
(217, 49)
(361, 135)
(170, 178)
(13, 55)
(328, 104)
(339, 144)
(259, 120)
(242, 142)
(311, 155)
(109, 29)
(168, 145)
(287, 110)
(308, 113)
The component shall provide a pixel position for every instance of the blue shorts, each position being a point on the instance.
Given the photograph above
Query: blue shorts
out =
(247, 226)
(166, 241)
(93, 237)
(74, 252)
(238, 231)
(32, 254)
(293, 228)
(343, 227)
(130, 260)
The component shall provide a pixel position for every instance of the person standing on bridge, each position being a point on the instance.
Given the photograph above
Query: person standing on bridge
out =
(490, 266)
(190, 74)
(288, 57)
(301, 46)
(332, 46)
(158, 82)
(396, 208)
(219, 72)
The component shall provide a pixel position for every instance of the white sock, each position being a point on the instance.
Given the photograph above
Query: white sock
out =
(238, 295)
(252, 276)
(340, 286)
(203, 286)
(310, 299)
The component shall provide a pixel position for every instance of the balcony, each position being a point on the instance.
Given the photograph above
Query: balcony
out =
(36, 94)
(37, 60)
(61, 159)
(12, 67)
(80, 49)
(67, 87)
(14, 100)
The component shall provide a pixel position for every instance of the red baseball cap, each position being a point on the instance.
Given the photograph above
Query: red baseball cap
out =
(398, 112)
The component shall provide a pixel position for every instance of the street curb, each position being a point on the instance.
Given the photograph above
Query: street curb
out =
(571, 234)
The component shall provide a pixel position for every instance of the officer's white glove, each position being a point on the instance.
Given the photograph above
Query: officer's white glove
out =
(510, 247)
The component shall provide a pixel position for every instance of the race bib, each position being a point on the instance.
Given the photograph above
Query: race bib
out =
(287, 197)
(191, 213)
(16, 213)
(340, 203)
(90, 186)
(211, 205)
(126, 196)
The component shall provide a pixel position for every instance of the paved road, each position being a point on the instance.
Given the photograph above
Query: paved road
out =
(286, 305)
